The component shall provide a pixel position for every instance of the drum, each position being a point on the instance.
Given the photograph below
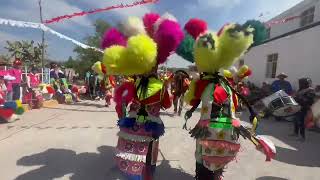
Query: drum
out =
(281, 104)
(316, 113)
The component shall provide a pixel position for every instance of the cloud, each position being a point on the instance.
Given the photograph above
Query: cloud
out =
(219, 3)
(29, 11)
(216, 12)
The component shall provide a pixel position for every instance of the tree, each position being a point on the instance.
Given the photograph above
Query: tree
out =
(87, 57)
(29, 52)
(71, 63)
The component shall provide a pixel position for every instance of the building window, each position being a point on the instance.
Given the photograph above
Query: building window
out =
(272, 62)
(269, 33)
(241, 63)
(307, 17)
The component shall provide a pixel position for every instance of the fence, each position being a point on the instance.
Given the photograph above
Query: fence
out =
(44, 74)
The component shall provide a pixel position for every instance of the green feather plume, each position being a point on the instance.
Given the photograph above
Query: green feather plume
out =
(185, 49)
(260, 31)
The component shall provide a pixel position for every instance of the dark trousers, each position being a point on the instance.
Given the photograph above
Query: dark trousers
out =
(16, 91)
(178, 99)
(202, 173)
(299, 127)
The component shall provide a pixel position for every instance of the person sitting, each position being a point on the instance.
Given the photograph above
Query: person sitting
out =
(282, 84)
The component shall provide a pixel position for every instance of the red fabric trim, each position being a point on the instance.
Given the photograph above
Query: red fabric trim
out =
(220, 95)
(166, 100)
(200, 87)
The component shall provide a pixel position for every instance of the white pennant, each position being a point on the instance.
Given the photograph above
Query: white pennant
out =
(46, 29)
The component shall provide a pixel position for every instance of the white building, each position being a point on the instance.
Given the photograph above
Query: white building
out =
(292, 47)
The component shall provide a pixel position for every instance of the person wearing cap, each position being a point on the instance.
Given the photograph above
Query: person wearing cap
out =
(16, 84)
(282, 84)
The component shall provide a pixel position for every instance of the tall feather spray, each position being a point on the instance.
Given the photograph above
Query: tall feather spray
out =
(149, 20)
(113, 37)
(168, 37)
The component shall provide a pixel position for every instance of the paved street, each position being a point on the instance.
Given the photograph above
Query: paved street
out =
(77, 142)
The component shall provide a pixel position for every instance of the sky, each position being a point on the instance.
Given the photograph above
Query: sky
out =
(215, 12)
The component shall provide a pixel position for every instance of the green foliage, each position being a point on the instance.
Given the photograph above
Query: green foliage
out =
(29, 52)
(260, 31)
(87, 57)
(71, 63)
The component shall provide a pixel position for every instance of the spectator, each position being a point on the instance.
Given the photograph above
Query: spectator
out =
(282, 84)
(317, 90)
(16, 84)
(3, 90)
(305, 97)
(33, 78)
(266, 89)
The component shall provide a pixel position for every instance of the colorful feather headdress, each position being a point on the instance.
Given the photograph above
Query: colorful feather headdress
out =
(215, 51)
(141, 45)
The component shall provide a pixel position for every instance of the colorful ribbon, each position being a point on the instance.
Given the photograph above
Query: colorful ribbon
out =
(281, 21)
(120, 6)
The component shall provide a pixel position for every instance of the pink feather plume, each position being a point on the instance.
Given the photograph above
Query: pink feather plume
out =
(113, 37)
(195, 27)
(149, 20)
(168, 37)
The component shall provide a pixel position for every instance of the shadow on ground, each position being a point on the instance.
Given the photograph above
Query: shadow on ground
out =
(90, 104)
(270, 178)
(80, 110)
(57, 163)
(301, 153)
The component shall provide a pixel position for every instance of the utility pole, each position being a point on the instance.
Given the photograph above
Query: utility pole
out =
(43, 51)
(41, 19)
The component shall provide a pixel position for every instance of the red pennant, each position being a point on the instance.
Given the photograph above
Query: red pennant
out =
(120, 6)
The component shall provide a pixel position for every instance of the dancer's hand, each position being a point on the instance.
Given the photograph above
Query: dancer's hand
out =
(188, 115)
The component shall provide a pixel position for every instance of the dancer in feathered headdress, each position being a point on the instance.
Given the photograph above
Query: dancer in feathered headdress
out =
(218, 129)
(107, 81)
(139, 55)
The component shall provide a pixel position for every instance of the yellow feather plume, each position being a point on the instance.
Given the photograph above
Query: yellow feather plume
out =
(97, 68)
(112, 59)
(233, 44)
(205, 53)
(138, 58)
(213, 53)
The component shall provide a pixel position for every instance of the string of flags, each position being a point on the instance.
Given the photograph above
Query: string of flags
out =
(24, 24)
(83, 13)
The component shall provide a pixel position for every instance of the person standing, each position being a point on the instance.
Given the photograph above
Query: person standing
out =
(180, 86)
(305, 97)
(282, 84)
(3, 90)
(16, 84)
(33, 78)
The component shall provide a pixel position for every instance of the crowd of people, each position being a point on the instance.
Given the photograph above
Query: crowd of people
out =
(305, 96)
(129, 75)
